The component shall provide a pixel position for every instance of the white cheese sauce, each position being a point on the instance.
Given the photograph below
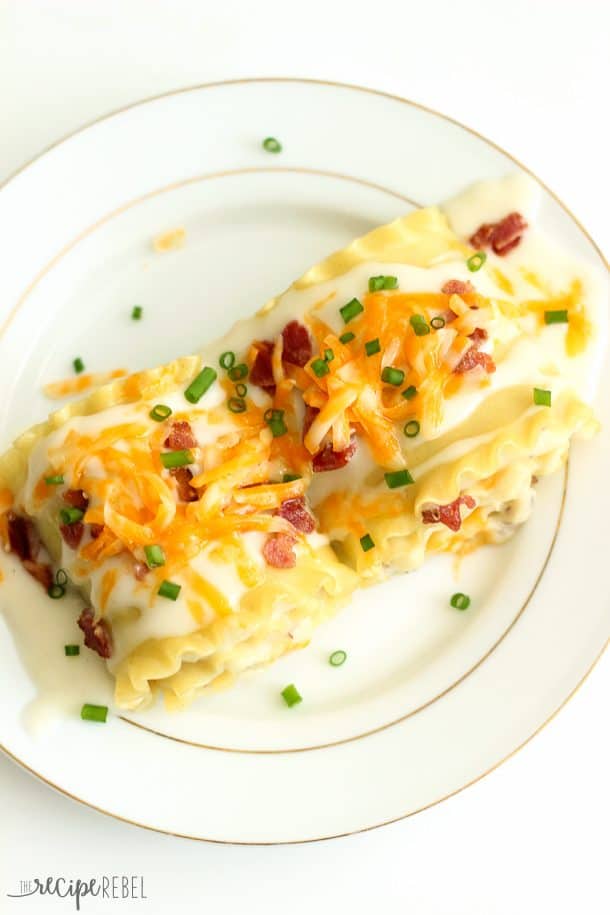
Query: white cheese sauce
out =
(41, 627)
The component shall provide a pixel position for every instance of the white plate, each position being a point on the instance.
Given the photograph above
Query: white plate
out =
(430, 699)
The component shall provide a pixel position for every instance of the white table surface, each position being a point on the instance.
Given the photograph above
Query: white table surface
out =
(531, 75)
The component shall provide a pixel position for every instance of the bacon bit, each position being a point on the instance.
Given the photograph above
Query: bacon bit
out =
(40, 571)
(25, 543)
(327, 459)
(472, 358)
(507, 233)
(279, 553)
(261, 373)
(503, 236)
(457, 287)
(297, 513)
(72, 533)
(97, 634)
(140, 570)
(33, 539)
(180, 437)
(449, 515)
(22, 537)
(183, 477)
(77, 499)
(534, 480)
(482, 237)
(478, 336)
(96, 530)
(297, 344)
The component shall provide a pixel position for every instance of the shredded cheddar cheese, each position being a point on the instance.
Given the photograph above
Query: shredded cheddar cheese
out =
(352, 392)
(579, 329)
(109, 581)
(6, 500)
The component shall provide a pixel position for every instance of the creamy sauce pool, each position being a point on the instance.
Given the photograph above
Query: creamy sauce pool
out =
(64, 683)
(40, 628)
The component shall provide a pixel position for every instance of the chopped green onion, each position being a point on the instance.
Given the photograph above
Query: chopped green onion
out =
(275, 421)
(475, 262)
(171, 459)
(169, 589)
(290, 477)
(372, 347)
(199, 385)
(398, 478)
(560, 316)
(160, 412)
(347, 337)
(411, 428)
(382, 282)
(337, 658)
(227, 360)
(320, 367)
(71, 650)
(237, 372)
(329, 355)
(460, 601)
(542, 398)
(61, 578)
(236, 405)
(392, 376)
(437, 322)
(418, 323)
(58, 588)
(155, 556)
(136, 312)
(367, 543)
(54, 481)
(71, 515)
(94, 712)
(271, 145)
(291, 695)
(241, 389)
(351, 310)
(79, 365)
(410, 392)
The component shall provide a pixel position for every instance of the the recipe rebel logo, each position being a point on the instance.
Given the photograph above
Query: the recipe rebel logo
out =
(78, 889)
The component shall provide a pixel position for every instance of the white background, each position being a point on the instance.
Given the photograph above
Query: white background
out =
(531, 75)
